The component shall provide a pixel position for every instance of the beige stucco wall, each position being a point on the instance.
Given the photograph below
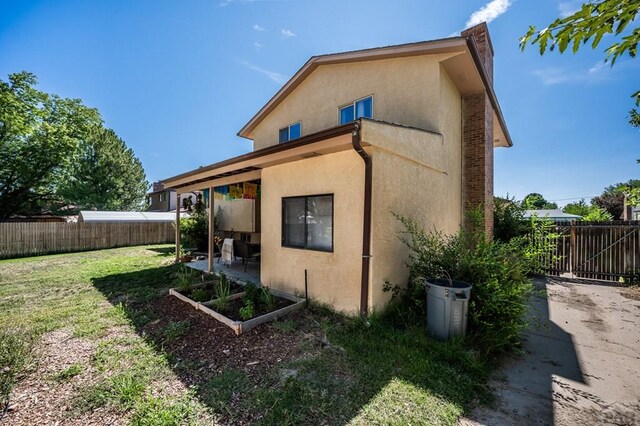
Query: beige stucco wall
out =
(405, 90)
(333, 278)
(420, 179)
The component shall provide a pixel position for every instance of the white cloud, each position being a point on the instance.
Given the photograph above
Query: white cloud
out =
(554, 75)
(287, 33)
(488, 12)
(568, 8)
(257, 45)
(274, 76)
(258, 28)
(597, 67)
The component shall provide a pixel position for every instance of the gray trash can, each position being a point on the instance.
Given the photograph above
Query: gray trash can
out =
(447, 306)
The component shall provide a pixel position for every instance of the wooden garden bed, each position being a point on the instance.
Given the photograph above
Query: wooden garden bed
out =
(286, 303)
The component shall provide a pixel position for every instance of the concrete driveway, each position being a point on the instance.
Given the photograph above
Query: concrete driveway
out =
(581, 360)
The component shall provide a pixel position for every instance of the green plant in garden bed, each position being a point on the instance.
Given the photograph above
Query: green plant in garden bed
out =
(200, 295)
(252, 293)
(223, 291)
(247, 311)
(268, 299)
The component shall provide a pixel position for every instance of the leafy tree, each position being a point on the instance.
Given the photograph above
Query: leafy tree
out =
(588, 212)
(535, 201)
(591, 23)
(105, 176)
(612, 198)
(581, 208)
(39, 137)
(55, 152)
(597, 214)
(508, 219)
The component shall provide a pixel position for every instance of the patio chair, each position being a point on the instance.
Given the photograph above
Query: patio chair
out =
(244, 251)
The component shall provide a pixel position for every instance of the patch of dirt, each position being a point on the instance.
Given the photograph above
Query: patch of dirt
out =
(41, 399)
(214, 347)
(632, 293)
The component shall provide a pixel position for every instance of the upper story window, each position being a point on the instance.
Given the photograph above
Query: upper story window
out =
(357, 109)
(290, 132)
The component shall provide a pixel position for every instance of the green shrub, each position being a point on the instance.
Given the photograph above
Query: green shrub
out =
(508, 219)
(498, 272)
(195, 231)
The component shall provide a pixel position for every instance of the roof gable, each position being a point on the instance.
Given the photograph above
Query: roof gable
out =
(466, 70)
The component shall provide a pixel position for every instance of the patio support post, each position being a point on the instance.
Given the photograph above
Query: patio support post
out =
(177, 226)
(212, 216)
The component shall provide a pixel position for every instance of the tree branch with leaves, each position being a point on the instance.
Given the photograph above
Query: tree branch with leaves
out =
(590, 24)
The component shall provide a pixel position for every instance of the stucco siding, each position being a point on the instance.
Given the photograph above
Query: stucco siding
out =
(420, 180)
(405, 90)
(333, 278)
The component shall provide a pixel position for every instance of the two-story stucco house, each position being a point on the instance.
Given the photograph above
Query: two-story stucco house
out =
(351, 138)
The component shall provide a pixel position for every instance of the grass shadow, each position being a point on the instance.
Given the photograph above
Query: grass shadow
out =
(312, 367)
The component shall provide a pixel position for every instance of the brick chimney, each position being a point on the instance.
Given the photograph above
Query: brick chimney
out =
(157, 186)
(477, 131)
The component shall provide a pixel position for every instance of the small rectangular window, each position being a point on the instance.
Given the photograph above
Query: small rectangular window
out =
(357, 109)
(161, 197)
(289, 133)
(307, 222)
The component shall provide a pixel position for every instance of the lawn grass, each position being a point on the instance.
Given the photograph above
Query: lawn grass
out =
(362, 372)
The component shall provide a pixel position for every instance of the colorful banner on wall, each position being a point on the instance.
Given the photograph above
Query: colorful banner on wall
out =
(250, 190)
(245, 190)
(235, 191)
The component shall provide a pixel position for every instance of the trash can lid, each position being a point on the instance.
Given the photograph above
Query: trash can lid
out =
(444, 282)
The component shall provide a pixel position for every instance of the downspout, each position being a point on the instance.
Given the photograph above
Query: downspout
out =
(366, 220)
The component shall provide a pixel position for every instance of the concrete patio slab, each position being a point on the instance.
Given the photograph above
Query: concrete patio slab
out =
(234, 271)
(580, 361)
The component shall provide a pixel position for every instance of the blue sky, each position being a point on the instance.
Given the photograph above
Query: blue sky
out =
(177, 79)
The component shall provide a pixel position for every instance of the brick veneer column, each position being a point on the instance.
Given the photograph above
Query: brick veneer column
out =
(478, 157)
(478, 137)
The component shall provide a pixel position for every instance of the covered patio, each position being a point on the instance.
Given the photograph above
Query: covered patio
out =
(236, 270)
(234, 205)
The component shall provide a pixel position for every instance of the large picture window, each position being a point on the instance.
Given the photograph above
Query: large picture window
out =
(307, 222)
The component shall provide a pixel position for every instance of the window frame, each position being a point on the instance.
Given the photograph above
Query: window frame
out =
(299, 122)
(306, 212)
(353, 104)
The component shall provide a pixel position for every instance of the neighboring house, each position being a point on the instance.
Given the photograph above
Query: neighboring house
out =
(555, 215)
(93, 216)
(350, 139)
(164, 200)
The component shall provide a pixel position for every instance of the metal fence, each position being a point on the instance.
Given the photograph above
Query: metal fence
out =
(597, 250)
(29, 239)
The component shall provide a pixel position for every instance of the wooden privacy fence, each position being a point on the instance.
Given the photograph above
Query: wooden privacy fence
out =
(597, 250)
(28, 239)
